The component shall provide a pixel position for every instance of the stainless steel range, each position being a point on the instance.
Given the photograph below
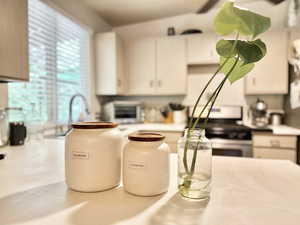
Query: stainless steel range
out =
(224, 129)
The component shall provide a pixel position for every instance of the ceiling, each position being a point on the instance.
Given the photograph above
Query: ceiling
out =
(123, 12)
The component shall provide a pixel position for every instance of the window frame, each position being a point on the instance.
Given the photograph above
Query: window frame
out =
(53, 116)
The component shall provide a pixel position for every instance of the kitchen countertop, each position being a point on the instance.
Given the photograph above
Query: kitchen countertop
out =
(130, 128)
(159, 127)
(277, 130)
(245, 192)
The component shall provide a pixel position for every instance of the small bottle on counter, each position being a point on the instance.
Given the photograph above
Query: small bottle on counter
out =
(93, 156)
(146, 164)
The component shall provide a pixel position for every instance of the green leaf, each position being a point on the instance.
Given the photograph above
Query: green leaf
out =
(233, 19)
(225, 48)
(249, 52)
(239, 71)
(261, 45)
(251, 23)
(225, 21)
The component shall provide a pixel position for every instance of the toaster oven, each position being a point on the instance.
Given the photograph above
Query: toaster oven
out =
(122, 112)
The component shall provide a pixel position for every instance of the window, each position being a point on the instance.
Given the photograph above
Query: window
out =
(58, 58)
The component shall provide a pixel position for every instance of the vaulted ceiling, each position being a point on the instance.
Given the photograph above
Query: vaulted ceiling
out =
(121, 12)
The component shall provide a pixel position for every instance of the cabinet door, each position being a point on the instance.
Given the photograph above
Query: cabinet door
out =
(201, 49)
(13, 40)
(270, 75)
(106, 63)
(141, 66)
(171, 73)
(110, 73)
(274, 141)
(121, 75)
(171, 138)
(275, 153)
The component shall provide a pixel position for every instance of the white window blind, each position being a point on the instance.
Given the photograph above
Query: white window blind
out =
(58, 57)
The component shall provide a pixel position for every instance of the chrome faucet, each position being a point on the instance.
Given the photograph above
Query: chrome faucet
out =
(71, 107)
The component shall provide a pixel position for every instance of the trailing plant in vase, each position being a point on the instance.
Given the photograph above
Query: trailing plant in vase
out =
(237, 58)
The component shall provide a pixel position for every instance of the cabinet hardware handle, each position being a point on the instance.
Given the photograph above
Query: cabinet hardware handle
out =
(253, 81)
(275, 143)
(151, 83)
(119, 83)
(159, 83)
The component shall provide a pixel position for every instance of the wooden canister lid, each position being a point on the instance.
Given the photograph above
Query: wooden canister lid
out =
(146, 137)
(94, 125)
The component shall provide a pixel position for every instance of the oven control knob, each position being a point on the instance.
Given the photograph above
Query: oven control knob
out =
(232, 135)
(241, 136)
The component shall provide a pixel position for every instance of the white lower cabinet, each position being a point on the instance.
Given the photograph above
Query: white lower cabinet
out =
(171, 138)
(275, 153)
(269, 146)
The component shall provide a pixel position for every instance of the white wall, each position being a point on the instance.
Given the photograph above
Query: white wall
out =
(231, 94)
(80, 13)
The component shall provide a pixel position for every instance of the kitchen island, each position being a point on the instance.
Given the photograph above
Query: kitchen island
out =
(245, 191)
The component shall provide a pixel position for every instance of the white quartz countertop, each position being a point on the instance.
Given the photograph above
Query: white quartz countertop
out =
(159, 127)
(162, 127)
(285, 130)
(245, 192)
(279, 130)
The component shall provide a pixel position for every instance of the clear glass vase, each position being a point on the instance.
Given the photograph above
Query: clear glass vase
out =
(194, 165)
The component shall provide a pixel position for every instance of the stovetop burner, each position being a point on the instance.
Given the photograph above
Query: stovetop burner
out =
(226, 129)
(228, 137)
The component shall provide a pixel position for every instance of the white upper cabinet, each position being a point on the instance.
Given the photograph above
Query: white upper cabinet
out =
(270, 75)
(14, 40)
(171, 72)
(156, 66)
(141, 66)
(110, 76)
(201, 49)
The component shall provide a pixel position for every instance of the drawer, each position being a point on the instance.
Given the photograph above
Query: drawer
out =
(275, 153)
(173, 147)
(171, 138)
(274, 141)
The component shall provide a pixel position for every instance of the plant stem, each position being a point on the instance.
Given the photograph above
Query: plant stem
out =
(204, 89)
(194, 110)
(193, 113)
(218, 89)
(215, 95)
(192, 126)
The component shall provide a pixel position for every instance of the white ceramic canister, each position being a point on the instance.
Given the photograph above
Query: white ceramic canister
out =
(146, 164)
(93, 156)
(179, 116)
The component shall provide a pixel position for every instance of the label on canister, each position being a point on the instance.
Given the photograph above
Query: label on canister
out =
(80, 155)
(137, 165)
